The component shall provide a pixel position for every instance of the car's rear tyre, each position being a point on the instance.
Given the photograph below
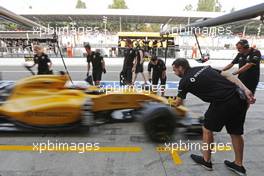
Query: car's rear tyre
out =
(158, 122)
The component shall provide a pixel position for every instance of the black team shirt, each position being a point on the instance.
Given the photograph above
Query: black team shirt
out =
(251, 76)
(96, 59)
(207, 84)
(42, 62)
(157, 69)
(130, 55)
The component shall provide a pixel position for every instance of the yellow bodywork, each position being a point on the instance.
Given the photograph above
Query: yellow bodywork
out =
(44, 100)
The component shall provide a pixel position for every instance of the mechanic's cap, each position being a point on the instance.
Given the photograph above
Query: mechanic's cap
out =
(87, 45)
(154, 58)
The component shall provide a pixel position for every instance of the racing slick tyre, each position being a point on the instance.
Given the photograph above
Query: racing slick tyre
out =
(158, 121)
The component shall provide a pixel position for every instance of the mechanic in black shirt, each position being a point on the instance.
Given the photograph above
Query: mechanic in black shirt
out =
(139, 64)
(130, 55)
(158, 68)
(98, 64)
(248, 60)
(42, 60)
(228, 98)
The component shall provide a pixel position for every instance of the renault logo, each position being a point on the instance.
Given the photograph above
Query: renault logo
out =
(192, 79)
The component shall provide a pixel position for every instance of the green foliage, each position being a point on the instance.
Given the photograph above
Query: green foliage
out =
(209, 6)
(11, 27)
(118, 4)
(80, 5)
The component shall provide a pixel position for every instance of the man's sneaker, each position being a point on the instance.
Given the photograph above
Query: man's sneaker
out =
(240, 170)
(199, 160)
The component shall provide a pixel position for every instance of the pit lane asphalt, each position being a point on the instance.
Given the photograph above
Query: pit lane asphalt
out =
(79, 72)
(147, 163)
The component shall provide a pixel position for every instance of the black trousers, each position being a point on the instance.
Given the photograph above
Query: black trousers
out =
(128, 75)
(156, 77)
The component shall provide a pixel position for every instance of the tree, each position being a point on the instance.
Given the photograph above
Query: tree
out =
(118, 4)
(209, 6)
(80, 5)
(188, 7)
(10, 26)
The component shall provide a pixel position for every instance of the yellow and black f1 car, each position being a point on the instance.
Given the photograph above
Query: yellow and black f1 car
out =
(45, 103)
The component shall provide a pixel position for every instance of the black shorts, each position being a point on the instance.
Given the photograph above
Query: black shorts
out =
(156, 78)
(139, 68)
(251, 86)
(44, 72)
(97, 75)
(251, 83)
(230, 114)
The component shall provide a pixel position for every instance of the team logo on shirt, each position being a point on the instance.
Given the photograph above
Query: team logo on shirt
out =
(192, 79)
(248, 58)
(42, 57)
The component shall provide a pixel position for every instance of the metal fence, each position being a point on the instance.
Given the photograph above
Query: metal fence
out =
(19, 52)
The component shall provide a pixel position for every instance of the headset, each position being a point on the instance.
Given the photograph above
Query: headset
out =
(244, 43)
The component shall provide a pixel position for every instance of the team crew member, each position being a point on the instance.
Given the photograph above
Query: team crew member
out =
(98, 64)
(158, 68)
(42, 60)
(248, 60)
(138, 64)
(128, 66)
(69, 50)
(228, 98)
(194, 51)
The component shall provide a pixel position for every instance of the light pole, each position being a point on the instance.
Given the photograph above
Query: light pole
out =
(105, 23)
(217, 5)
(259, 29)
(120, 24)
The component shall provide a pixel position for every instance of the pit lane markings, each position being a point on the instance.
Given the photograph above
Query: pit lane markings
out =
(175, 155)
(68, 149)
